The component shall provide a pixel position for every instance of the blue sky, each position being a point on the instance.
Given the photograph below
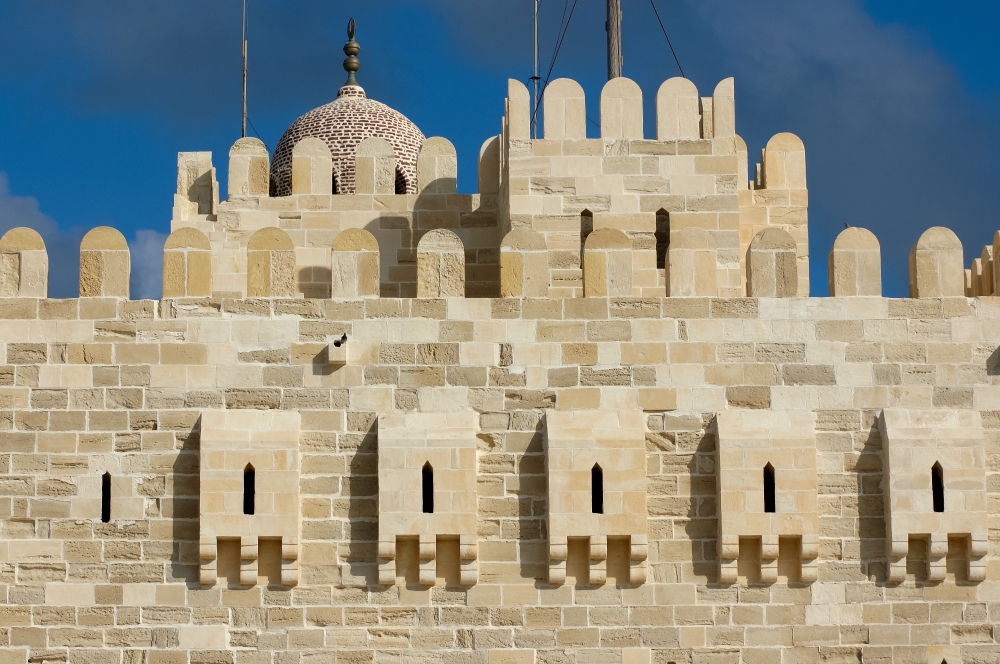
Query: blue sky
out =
(898, 102)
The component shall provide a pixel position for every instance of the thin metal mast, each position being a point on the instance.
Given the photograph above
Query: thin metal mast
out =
(614, 28)
(244, 68)
(535, 79)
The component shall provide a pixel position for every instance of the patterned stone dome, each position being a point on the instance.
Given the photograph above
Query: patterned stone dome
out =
(342, 125)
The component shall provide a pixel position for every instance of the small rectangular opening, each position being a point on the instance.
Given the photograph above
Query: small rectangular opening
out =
(106, 497)
(269, 561)
(449, 566)
(619, 552)
(578, 561)
(229, 561)
(958, 558)
(916, 558)
(748, 564)
(408, 560)
(790, 559)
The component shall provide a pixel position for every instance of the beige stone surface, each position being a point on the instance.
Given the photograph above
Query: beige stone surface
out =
(524, 265)
(607, 264)
(677, 110)
(187, 264)
(914, 441)
(24, 264)
(375, 167)
(621, 110)
(270, 264)
(104, 264)
(996, 269)
(855, 265)
(564, 111)
(936, 264)
(692, 269)
(749, 441)
(577, 441)
(312, 167)
(771, 265)
(355, 264)
(489, 167)
(135, 389)
(249, 168)
(197, 187)
(440, 265)
(724, 110)
(446, 442)
(437, 167)
(232, 441)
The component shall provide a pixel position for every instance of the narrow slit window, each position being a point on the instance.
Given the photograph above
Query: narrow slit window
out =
(597, 490)
(769, 506)
(106, 498)
(249, 489)
(662, 238)
(427, 480)
(937, 486)
(586, 228)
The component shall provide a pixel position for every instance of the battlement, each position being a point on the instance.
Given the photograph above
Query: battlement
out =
(677, 216)
(590, 412)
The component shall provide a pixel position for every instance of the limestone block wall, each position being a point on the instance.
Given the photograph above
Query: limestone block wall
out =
(757, 448)
(313, 217)
(917, 445)
(777, 197)
(248, 494)
(693, 176)
(24, 264)
(596, 476)
(420, 456)
(105, 264)
(107, 385)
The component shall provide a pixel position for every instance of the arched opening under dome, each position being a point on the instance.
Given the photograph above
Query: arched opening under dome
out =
(400, 181)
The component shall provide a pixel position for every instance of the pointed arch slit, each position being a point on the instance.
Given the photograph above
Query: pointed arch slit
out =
(427, 488)
(249, 489)
(769, 502)
(597, 489)
(106, 498)
(937, 487)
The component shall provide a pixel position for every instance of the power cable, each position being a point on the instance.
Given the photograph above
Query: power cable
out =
(555, 55)
(672, 51)
(258, 135)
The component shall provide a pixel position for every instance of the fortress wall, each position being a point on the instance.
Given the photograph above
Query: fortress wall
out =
(99, 385)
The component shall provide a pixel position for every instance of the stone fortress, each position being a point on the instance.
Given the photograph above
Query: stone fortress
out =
(588, 414)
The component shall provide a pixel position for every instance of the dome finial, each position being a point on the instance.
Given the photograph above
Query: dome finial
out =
(351, 64)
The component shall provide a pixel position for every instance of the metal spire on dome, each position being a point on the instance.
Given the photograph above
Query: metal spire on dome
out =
(351, 64)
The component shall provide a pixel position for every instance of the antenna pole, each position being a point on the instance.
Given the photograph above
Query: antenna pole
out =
(614, 28)
(244, 68)
(535, 79)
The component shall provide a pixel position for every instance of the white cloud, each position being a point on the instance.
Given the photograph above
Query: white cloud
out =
(147, 264)
(18, 211)
(63, 247)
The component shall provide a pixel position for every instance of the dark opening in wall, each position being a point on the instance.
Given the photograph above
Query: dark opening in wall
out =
(937, 486)
(586, 228)
(427, 480)
(249, 489)
(769, 489)
(597, 490)
(106, 498)
(400, 181)
(662, 238)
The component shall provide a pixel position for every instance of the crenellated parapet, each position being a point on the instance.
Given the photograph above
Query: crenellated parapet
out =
(692, 177)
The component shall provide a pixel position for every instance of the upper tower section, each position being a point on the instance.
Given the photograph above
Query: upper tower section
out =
(342, 125)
